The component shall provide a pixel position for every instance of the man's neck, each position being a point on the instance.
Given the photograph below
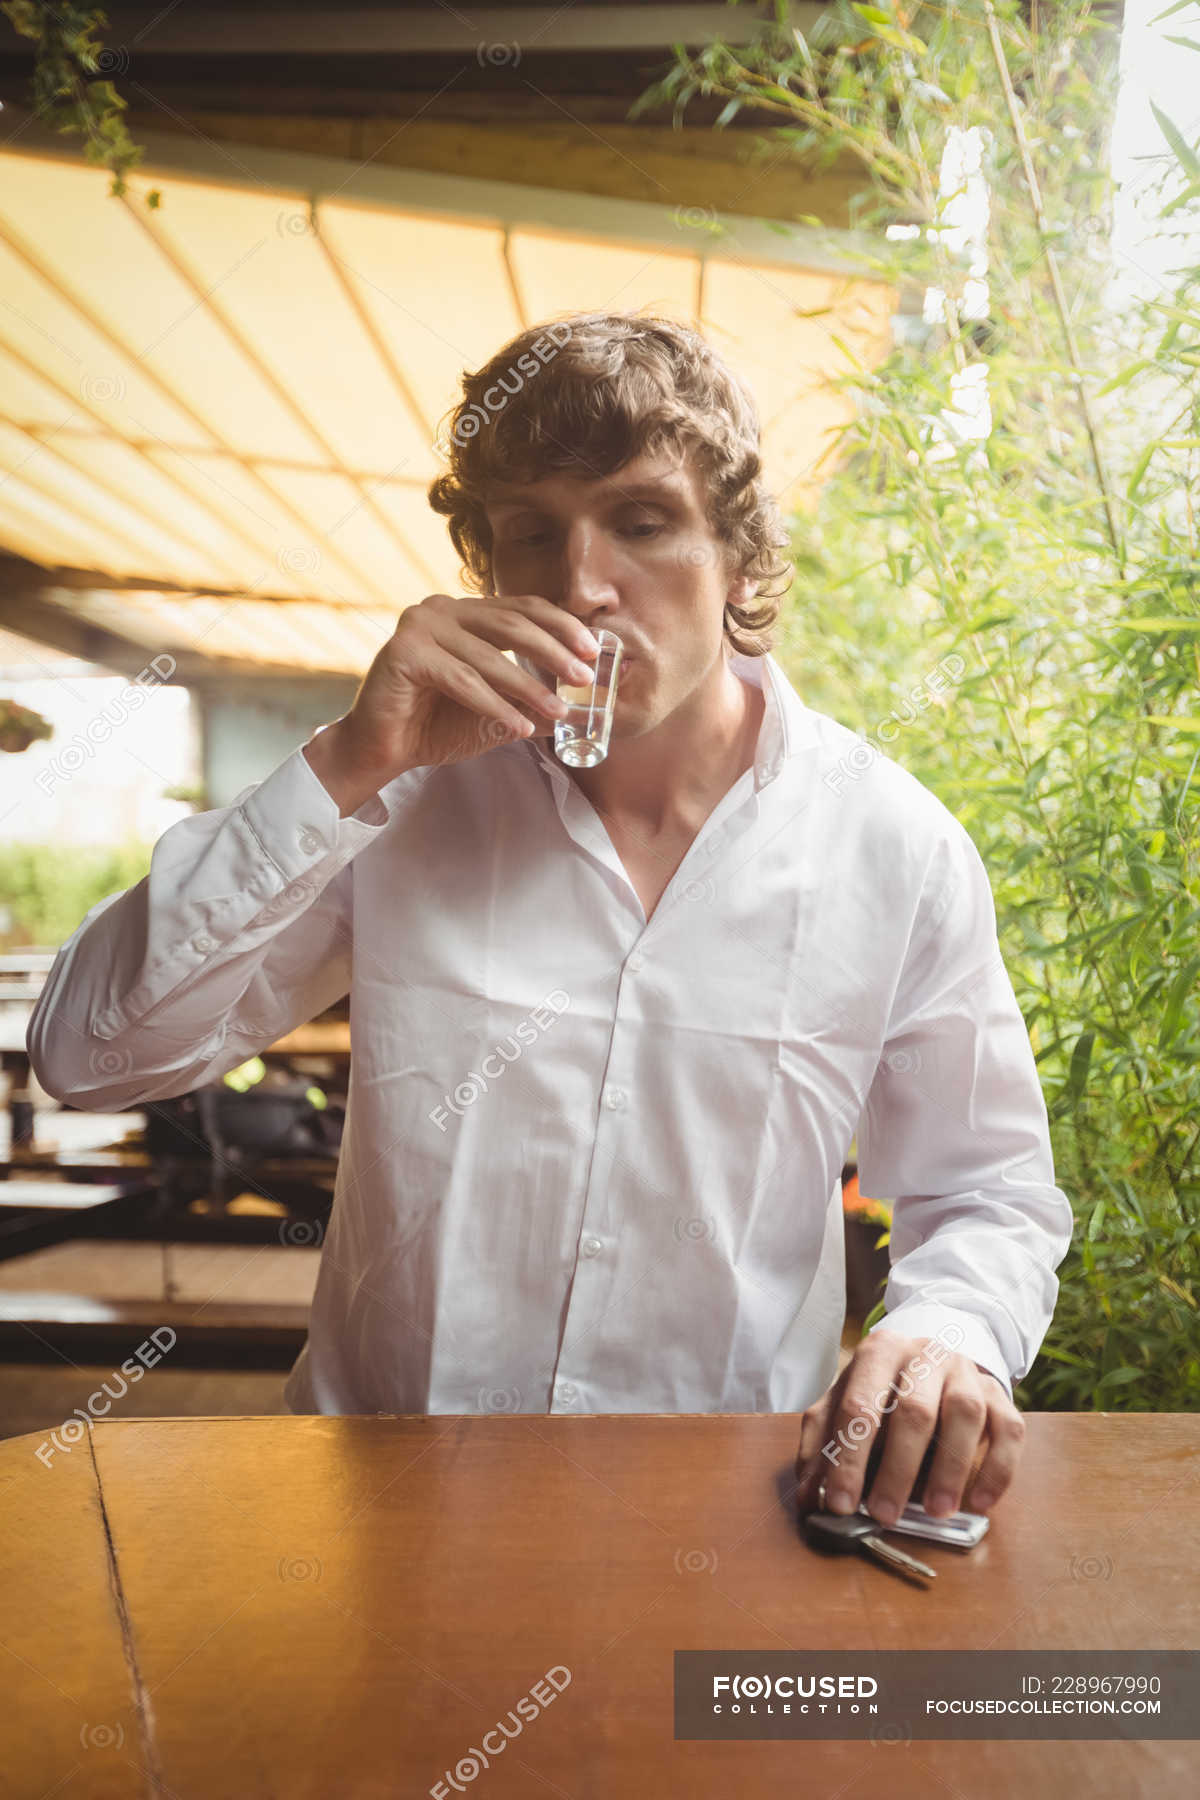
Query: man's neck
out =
(670, 779)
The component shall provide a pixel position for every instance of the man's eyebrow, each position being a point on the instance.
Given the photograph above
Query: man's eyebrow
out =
(640, 490)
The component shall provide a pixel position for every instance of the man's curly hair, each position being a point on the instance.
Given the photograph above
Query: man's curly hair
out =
(588, 392)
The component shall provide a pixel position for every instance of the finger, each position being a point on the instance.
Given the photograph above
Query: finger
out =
(506, 676)
(1007, 1440)
(461, 682)
(557, 641)
(857, 1419)
(960, 1425)
(811, 1467)
(815, 1427)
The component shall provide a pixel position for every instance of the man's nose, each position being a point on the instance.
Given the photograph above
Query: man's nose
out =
(586, 585)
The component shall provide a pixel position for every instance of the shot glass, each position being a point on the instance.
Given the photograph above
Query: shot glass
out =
(581, 739)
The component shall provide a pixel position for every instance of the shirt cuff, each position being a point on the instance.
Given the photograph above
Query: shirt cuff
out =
(296, 820)
(961, 1332)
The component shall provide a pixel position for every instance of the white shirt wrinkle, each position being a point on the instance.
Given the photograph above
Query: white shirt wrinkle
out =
(593, 1162)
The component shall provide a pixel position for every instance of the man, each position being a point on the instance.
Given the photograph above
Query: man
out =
(614, 1028)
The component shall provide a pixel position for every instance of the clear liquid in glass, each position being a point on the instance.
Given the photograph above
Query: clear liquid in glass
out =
(581, 739)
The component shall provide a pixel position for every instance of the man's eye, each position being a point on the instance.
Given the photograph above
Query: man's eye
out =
(642, 528)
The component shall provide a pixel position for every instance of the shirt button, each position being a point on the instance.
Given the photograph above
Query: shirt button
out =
(592, 1246)
(635, 962)
(310, 842)
(614, 1099)
(566, 1393)
(203, 943)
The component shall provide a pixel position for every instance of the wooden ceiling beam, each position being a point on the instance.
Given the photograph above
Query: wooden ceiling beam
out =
(711, 172)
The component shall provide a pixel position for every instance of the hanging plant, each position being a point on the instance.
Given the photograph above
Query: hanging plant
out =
(64, 97)
(20, 726)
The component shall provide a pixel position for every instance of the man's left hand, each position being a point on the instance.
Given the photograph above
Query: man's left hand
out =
(943, 1406)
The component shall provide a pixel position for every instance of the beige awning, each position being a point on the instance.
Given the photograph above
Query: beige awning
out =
(237, 395)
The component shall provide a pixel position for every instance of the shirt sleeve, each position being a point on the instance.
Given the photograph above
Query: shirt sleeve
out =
(240, 930)
(955, 1133)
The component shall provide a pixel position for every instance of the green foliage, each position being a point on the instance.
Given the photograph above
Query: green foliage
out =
(47, 890)
(1052, 568)
(20, 726)
(67, 51)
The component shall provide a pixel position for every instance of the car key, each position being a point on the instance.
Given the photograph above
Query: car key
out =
(850, 1531)
(959, 1530)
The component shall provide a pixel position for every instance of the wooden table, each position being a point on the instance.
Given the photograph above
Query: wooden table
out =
(337, 1608)
(320, 1037)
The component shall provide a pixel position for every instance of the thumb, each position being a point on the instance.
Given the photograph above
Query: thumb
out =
(810, 1466)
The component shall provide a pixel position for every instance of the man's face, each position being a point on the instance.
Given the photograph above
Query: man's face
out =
(632, 552)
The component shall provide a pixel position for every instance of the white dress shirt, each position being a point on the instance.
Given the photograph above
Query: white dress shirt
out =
(592, 1163)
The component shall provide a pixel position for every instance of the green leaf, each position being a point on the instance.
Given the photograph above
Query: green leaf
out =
(1143, 463)
(1126, 375)
(1181, 723)
(1081, 1056)
(1179, 6)
(1119, 1378)
(1185, 156)
(887, 28)
(1181, 987)
(1158, 624)
(1139, 875)
(1096, 1220)
(873, 1317)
